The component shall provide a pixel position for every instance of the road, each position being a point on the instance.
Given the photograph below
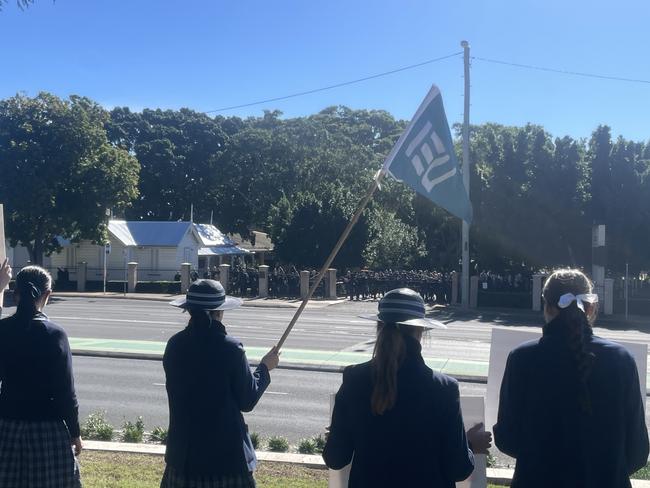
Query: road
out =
(296, 404)
(335, 328)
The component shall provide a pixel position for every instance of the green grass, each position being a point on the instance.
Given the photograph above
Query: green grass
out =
(121, 470)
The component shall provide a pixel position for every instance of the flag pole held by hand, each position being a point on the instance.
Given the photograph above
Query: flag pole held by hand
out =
(328, 262)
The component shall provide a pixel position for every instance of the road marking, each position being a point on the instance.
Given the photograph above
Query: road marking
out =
(159, 384)
(275, 393)
(129, 321)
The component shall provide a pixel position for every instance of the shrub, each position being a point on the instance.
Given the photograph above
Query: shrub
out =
(159, 434)
(133, 431)
(255, 440)
(319, 441)
(97, 428)
(307, 446)
(278, 444)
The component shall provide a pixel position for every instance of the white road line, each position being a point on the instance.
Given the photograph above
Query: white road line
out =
(159, 384)
(129, 321)
(275, 393)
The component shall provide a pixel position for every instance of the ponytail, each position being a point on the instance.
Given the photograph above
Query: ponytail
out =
(387, 357)
(199, 319)
(574, 326)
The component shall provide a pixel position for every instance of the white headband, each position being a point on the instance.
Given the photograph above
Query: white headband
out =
(568, 298)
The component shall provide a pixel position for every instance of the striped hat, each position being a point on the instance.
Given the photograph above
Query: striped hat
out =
(404, 306)
(207, 295)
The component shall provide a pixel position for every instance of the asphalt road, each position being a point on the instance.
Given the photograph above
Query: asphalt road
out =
(333, 328)
(296, 404)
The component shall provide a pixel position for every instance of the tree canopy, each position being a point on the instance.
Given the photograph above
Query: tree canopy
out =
(535, 195)
(59, 172)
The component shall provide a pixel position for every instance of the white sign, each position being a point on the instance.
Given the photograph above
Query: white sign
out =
(505, 340)
(338, 477)
(473, 408)
(3, 250)
(107, 248)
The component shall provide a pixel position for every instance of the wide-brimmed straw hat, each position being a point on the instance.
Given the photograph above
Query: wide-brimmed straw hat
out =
(403, 306)
(207, 295)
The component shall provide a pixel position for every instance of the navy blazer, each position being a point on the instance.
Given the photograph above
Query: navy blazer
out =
(540, 421)
(209, 383)
(420, 442)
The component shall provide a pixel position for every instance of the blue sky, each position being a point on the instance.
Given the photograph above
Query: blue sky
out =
(214, 53)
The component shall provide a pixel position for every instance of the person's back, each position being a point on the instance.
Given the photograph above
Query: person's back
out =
(419, 442)
(397, 421)
(570, 409)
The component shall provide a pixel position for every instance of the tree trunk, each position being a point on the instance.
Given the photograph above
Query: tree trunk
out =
(36, 252)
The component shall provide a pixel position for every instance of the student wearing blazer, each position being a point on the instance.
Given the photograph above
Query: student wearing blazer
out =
(570, 408)
(209, 384)
(397, 421)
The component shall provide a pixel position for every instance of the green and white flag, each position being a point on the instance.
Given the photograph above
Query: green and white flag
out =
(425, 160)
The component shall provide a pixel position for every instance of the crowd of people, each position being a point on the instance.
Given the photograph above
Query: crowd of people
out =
(433, 286)
(570, 408)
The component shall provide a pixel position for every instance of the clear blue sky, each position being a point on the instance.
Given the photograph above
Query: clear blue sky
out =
(210, 54)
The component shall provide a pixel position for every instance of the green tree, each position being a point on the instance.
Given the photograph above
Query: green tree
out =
(60, 173)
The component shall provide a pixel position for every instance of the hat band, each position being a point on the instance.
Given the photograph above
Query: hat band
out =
(412, 309)
(205, 301)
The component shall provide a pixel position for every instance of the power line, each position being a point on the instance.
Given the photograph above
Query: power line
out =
(562, 71)
(338, 85)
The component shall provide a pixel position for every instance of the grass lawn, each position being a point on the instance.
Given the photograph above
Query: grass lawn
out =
(119, 470)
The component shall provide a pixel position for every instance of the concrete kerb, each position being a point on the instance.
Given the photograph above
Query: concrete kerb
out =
(501, 476)
(316, 368)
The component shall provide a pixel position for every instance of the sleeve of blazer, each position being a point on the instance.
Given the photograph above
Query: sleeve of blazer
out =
(64, 391)
(248, 386)
(458, 459)
(339, 446)
(636, 435)
(507, 435)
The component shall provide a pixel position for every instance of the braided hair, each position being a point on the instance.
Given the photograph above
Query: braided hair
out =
(573, 326)
(32, 282)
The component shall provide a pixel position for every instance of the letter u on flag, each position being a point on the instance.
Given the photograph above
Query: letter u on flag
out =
(425, 160)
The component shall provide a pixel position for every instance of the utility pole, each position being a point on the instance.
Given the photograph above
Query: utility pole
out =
(466, 172)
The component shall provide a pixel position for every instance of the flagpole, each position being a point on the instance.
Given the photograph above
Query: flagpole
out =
(466, 172)
(362, 206)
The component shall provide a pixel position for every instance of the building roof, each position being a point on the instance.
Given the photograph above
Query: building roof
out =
(211, 236)
(223, 251)
(148, 233)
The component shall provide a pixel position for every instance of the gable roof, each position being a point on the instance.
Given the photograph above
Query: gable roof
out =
(148, 233)
(210, 236)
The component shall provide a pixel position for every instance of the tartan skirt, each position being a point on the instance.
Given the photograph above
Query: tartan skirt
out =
(173, 478)
(37, 454)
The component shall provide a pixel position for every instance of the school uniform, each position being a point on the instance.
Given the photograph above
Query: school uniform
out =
(209, 383)
(542, 424)
(420, 442)
(38, 405)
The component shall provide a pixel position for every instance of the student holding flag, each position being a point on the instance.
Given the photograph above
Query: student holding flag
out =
(209, 383)
(395, 419)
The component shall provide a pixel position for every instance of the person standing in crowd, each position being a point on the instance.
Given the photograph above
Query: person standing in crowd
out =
(570, 409)
(209, 383)
(39, 423)
(396, 420)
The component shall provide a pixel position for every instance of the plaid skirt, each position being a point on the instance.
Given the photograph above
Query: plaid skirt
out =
(173, 478)
(37, 454)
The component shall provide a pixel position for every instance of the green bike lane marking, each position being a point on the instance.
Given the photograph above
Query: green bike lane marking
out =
(289, 356)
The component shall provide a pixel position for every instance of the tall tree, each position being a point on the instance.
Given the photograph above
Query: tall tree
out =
(60, 174)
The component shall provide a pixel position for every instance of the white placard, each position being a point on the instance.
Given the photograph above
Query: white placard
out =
(473, 408)
(505, 340)
(338, 477)
(3, 250)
